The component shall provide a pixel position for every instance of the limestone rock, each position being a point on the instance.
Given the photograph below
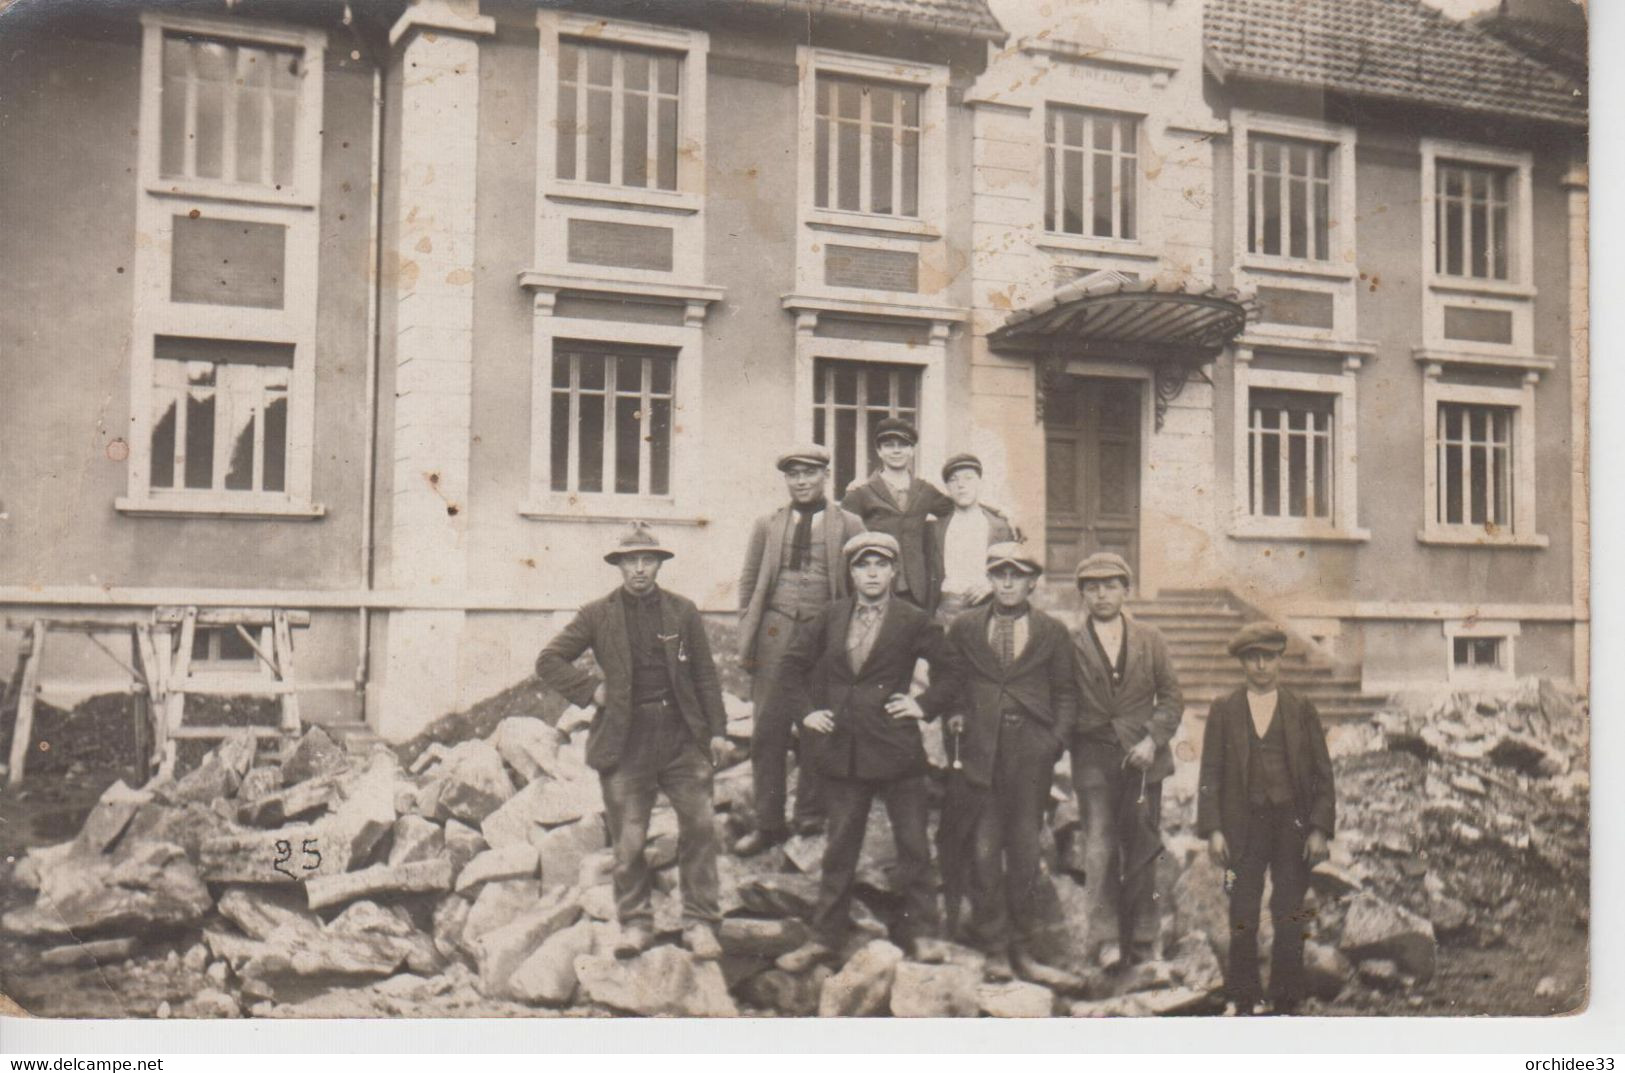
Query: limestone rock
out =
(548, 976)
(1179, 1000)
(497, 904)
(474, 783)
(1381, 974)
(259, 782)
(784, 993)
(599, 902)
(596, 867)
(298, 953)
(212, 1003)
(1450, 917)
(1377, 929)
(779, 895)
(751, 937)
(258, 912)
(450, 922)
(664, 981)
(416, 839)
(93, 952)
(379, 879)
(863, 986)
(315, 754)
(529, 746)
(1193, 964)
(1325, 970)
(1015, 998)
(109, 817)
(220, 773)
(366, 814)
(1334, 880)
(154, 884)
(562, 849)
(1528, 756)
(508, 862)
(463, 844)
(296, 802)
(285, 855)
(945, 990)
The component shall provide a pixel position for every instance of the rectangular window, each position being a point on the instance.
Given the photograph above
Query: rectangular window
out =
(612, 419)
(866, 146)
(1478, 653)
(1289, 454)
(617, 119)
(221, 415)
(228, 111)
(1289, 196)
(1470, 220)
(849, 399)
(1091, 173)
(222, 648)
(1475, 465)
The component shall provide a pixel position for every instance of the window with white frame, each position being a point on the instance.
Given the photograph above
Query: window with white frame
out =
(1479, 650)
(1091, 173)
(866, 145)
(618, 114)
(1471, 207)
(1475, 465)
(1290, 454)
(1289, 197)
(611, 426)
(1478, 654)
(221, 415)
(230, 110)
(849, 399)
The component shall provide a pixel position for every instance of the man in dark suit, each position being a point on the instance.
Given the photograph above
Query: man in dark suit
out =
(1130, 709)
(894, 501)
(793, 569)
(850, 677)
(659, 728)
(963, 537)
(1018, 707)
(1266, 803)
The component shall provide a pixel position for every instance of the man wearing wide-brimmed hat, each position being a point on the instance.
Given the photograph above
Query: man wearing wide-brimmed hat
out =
(1129, 711)
(893, 500)
(792, 571)
(1266, 803)
(659, 727)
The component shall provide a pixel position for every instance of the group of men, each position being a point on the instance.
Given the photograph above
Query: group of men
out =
(842, 606)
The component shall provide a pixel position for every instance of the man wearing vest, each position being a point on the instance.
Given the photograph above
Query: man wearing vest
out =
(964, 535)
(1129, 711)
(659, 728)
(1020, 703)
(1266, 803)
(894, 501)
(792, 571)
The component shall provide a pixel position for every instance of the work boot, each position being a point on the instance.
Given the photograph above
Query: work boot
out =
(927, 950)
(804, 957)
(1029, 968)
(757, 842)
(702, 942)
(810, 825)
(634, 940)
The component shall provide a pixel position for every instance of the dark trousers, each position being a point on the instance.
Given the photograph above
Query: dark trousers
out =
(771, 737)
(849, 804)
(1121, 828)
(661, 756)
(1274, 843)
(1007, 827)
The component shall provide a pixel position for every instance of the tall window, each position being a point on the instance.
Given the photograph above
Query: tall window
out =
(1475, 465)
(1289, 194)
(1290, 454)
(1470, 221)
(617, 115)
(1091, 173)
(221, 415)
(612, 419)
(849, 399)
(229, 111)
(867, 146)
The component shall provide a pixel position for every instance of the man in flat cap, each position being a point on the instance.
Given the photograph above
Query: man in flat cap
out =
(848, 678)
(659, 727)
(1266, 803)
(793, 569)
(964, 535)
(1018, 707)
(1130, 710)
(892, 500)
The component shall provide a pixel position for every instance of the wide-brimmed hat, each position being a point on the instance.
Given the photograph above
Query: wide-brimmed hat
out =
(1102, 565)
(1258, 637)
(898, 427)
(638, 539)
(1012, 553)
(880, 543)
(805, 454)
(961, 461)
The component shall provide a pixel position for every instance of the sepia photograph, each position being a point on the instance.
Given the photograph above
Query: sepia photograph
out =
(794, 509)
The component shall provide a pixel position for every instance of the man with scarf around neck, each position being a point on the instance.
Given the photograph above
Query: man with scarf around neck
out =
(1018, 709)
(792, 571)
(894, 501)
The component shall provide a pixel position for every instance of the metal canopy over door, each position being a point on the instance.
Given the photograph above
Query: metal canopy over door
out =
(1092, 459)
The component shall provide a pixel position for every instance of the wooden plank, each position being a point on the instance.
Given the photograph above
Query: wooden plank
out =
(234, 685)
(175, 697)
(141, 708)
(23, 728)
(282, 645)
(80, 625)
(224, 732)
(227, 616)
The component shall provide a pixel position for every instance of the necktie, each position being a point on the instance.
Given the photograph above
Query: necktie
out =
(801, 542)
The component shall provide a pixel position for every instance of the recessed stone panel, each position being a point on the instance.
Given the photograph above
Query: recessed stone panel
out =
(617, 245)
(870, 269)
(1297, 308)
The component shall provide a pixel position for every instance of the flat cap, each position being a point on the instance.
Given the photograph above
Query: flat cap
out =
(638, 539)
(1105, 564)
(880, 543)
(896, 426)
(1012, 553)
(1262, 636)
(961, 461)
(805, 454)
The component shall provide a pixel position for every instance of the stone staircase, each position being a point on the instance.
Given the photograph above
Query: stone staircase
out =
(1198, 624)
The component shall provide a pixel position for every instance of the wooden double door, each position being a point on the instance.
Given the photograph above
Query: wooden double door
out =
(1092, 430)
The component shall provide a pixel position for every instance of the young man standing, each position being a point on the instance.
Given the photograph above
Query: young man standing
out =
(659, 728)
(849, 677)
(1130, 710)
(964, 535)
(1266, 803)
(792, 571)
(1020, 702)
(894, 501)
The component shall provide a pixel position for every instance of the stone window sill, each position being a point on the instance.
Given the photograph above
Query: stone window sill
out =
(1322, 534)
(609, 509)
(1477, 538)
(218, 507)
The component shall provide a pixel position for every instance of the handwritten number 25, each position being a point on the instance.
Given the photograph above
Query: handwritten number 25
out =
(284, 850)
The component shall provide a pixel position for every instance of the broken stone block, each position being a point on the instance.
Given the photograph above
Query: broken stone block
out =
(152, 884)
(463, 844)
(1376, 929)
(450, 920)
(529, 746)
(1193, 963)
(562, 849)
(218, 776)
(497, 904)
(1325, 970)
(507, 862)
(1381, 974)
(259, 782)
(314, 755)
(93, 952)
(500, 952)
(751, 937)
(596, 867)
(665, 981)
(300, 953)
(366, 814)
(285, 855)
(1177, 1000)
(935, 990)
(474, 783)
(544, 803)
(599, 902)
(1527, 756)
(862, 988)
(109, 817)
(379, 879)
(212, 1003)
(417, 839)
(298, 801)
(1334, 880)
(779, 895)
(1015, 998)
(1200, 904)
(790, 995)
(259, 911)
(548, 976)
